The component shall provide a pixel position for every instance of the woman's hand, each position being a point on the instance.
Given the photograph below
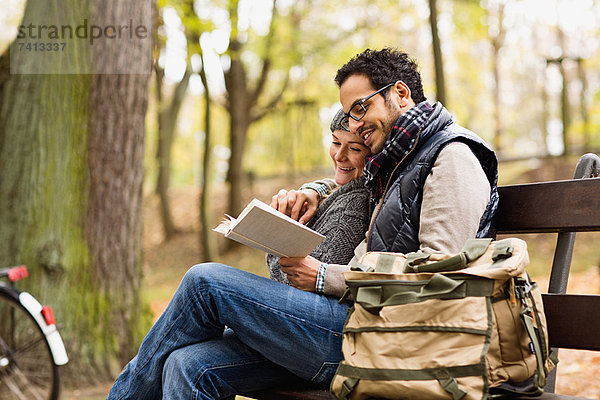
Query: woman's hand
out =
(301, 272)
(300, 205)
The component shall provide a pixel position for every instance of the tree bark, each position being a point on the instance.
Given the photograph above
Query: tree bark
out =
(440, 82)
(71, 152)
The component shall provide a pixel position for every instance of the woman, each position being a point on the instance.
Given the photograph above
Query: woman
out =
(227, 331)
(343, 216)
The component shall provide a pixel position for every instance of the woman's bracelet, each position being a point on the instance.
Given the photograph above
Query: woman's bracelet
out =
(321, 188)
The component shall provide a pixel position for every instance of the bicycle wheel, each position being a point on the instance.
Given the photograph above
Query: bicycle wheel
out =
(27, 370)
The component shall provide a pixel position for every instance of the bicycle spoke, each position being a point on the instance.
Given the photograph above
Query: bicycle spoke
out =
(27, 346)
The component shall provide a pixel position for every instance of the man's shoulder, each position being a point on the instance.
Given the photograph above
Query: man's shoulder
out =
(456, 150)
(454, 131)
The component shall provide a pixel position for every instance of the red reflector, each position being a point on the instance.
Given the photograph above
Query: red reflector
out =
(17, 273)
(48, 315)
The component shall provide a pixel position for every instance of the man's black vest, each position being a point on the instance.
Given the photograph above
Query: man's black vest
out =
(396, 226)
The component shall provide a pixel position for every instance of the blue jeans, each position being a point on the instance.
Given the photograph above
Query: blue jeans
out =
(227, 331)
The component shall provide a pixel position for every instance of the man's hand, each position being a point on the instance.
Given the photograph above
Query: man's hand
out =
(300, 205)
(301, 272)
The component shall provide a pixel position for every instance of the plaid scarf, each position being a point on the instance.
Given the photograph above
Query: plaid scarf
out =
(401, 140)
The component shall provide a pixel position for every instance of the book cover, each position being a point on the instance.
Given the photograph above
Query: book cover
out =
(264, 228)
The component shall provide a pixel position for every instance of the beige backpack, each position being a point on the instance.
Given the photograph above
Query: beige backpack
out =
(464, 326)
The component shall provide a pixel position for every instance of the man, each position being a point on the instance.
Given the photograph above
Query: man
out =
(434, 184)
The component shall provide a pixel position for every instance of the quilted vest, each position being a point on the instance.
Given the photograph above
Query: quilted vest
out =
(396, 226)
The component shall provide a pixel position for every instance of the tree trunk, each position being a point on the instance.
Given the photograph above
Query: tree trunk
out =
(497, 103)
(565, 107)
(238, 107)
(497, 40)
(71, 152)
(167, 122)
(585, 119)
(440, 82)
(545, 117)
(242, 102)
(235, 174)
(206, 241)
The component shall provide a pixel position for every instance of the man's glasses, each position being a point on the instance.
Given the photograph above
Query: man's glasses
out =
(358, 110)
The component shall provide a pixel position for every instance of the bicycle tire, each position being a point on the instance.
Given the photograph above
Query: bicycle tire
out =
(27, 369)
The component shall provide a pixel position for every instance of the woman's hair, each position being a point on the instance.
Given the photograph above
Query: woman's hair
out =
(383, 67)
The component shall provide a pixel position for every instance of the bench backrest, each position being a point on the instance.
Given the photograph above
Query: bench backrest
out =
(565, 207)
(560, 206)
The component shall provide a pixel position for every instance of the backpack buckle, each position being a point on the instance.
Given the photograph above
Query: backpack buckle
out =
(522, 289)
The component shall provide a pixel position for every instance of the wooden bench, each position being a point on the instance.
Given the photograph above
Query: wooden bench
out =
(562, 207)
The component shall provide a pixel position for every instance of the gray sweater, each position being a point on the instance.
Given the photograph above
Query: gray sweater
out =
(343, 217)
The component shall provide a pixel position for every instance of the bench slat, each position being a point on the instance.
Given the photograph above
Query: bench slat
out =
(558, 206)
(573, 320)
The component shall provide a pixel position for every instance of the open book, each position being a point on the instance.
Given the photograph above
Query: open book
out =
(262, 227)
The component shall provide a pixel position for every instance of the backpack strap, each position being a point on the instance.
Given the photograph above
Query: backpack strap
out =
(473, 249)
(372, 296)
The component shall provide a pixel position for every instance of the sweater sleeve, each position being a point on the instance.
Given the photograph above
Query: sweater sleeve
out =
(455, 196)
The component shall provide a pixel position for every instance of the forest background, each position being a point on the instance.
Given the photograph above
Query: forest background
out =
(110, 183)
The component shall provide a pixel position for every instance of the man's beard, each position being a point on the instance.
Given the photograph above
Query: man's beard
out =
(394, 112)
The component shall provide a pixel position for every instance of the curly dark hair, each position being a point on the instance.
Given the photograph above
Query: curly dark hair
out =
(383, 67)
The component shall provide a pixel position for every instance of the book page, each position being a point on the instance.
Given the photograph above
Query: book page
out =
(264, 228)
(271, 210)
(225, 226)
